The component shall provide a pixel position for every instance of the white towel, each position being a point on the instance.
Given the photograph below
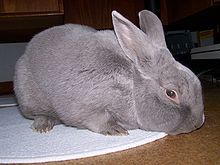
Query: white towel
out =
(19, 144)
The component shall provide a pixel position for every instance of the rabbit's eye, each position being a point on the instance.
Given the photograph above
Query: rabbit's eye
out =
(171, 93)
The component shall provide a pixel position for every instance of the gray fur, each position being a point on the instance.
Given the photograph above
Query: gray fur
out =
(107, 81)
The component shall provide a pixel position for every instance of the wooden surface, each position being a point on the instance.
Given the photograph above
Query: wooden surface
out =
(180, 9)
(15, 7)
(97, 13)
(23, 28)
(163, 12)
(200, 147)
(20, 20)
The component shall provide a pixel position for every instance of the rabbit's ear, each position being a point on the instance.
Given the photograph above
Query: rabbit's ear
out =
(152, 26)
(131, 39)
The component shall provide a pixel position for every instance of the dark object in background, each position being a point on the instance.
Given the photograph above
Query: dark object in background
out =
(206, 61)
(180, 44)
(154, 6)
(217, 34)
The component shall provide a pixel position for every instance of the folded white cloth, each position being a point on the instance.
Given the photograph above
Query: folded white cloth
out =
(19, 144)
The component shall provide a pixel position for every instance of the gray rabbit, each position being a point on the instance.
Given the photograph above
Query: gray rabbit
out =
(107, 81)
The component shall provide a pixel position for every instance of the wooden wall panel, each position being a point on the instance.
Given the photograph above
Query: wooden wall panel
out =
(97, 13)
(20, 20)
(28, 6)
(181, 9)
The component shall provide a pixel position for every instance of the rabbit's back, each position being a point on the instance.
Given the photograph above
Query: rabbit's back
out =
(71, 59)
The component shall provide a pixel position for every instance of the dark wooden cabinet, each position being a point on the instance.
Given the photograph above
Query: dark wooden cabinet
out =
(97, 13)
(190, 14)
(21, 19)
(180, 9)
(16, 7)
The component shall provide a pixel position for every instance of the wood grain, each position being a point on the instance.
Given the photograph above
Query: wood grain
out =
(97, 13)
(28, 6)
(20, 20)
(180, 9)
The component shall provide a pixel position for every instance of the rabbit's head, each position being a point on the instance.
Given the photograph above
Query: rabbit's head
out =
(168, 96)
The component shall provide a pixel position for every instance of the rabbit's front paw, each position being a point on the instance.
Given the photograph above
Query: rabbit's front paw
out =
(43, 124)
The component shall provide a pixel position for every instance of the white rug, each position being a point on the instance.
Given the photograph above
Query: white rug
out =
(19, 144)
